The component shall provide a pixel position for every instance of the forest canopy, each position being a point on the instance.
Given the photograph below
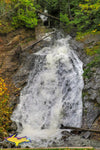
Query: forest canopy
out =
(83, 15)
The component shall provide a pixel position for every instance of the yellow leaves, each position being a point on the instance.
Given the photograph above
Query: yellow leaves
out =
(5, 110)
(2, 87)
(80, 5)
(90, 51)
(94, 30)
(1, 92)
(84, 6)
(95, 6)
(94, 50)
(88, 6)
(7, 1)
(7, 89)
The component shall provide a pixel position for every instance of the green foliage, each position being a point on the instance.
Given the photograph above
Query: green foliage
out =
(84, 15)
(53, 6)
(88, 71)
(95, 51)
(92, 10)
(4, 6)
(5, 26)
(80, 21)
(24, 13)
(64, 18)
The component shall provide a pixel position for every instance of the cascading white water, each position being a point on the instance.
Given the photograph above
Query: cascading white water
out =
(52, 96)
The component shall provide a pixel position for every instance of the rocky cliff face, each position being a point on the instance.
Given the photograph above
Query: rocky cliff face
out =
(91, 91)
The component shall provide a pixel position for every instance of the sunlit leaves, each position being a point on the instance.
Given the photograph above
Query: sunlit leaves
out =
(64, 18)
(92, 10)
(5, 110)
(24, 13)
(6, 90)
(2, 87)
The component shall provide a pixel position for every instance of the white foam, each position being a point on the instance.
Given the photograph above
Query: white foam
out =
(53, 95)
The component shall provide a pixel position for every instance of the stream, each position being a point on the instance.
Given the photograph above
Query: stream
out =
(52, 96)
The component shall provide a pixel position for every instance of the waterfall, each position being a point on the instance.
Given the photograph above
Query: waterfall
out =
(52, 96)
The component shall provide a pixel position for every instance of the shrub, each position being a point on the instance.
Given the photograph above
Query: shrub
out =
(5, 111)
(24, 13)
(6, 90)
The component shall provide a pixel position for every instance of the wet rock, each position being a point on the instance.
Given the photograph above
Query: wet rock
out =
(78, 47)
(13, 127)
(91, 91)
(13, 100)
(98, 98)
(91, 114)
(5, 144)
(92, 39)
(92, 94)
(86, 135)
(95, 143)
(77, 141)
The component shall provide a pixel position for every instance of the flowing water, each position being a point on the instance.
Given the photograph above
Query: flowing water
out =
(52, 96)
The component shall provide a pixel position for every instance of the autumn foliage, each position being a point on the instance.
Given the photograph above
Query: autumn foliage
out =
(5, 110)
(6, 90)
(6, 1)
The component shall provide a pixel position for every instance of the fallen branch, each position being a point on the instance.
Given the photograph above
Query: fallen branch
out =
(32, 45)
(80, 129)
(48, 15)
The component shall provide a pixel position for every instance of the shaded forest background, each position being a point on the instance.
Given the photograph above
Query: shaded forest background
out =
(82, 15)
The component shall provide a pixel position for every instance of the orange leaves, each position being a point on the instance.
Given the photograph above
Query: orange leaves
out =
(7, 89)
(5, 110)
(2, 87)
(7, 1)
